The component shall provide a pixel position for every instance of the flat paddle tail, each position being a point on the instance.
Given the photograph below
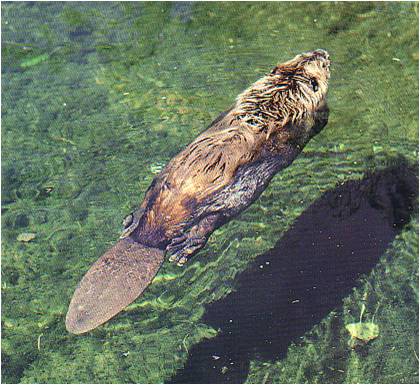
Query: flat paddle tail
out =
(115, 280)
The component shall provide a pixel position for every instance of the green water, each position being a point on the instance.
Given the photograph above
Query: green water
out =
(96, 97)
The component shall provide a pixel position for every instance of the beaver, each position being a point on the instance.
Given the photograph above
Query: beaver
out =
(217, 176)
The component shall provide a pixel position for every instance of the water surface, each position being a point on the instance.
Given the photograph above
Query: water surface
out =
(97, 97)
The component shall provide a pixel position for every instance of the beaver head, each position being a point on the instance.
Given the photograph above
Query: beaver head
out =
(290, 101)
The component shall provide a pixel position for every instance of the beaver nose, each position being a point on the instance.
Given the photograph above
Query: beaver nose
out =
(321, 54)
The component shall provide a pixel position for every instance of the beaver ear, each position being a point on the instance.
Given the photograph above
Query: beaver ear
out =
(115, 280)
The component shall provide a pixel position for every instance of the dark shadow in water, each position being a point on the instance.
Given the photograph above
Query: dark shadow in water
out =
(292, 287)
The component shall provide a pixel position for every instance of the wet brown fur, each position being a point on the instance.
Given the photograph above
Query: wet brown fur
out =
(272, 113)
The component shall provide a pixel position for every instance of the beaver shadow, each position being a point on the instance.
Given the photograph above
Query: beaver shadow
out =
(292, 287)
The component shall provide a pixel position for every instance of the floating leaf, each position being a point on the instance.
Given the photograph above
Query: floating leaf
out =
(26, 237)
(363, 331)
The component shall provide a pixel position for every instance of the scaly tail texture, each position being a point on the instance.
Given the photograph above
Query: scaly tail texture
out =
(115, 280)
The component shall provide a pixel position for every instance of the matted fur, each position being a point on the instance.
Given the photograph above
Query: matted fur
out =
(275, 110)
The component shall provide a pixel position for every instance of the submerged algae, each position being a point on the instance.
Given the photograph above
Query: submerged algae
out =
(132, 84)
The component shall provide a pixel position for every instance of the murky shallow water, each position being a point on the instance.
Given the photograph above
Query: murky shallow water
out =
(96, 97)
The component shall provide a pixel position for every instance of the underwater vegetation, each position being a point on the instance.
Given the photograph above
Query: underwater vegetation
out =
(97, 97)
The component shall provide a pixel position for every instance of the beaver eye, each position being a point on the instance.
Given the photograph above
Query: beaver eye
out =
(314, 85)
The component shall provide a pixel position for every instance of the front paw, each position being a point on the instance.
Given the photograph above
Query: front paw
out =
(180, 252)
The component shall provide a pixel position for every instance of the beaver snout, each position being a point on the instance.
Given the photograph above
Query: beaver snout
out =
(321, 54)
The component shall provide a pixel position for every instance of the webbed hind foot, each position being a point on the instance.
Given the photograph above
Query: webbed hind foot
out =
(130, 222)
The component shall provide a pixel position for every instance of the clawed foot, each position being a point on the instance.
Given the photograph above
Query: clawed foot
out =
(181, 248)
(130, 223)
